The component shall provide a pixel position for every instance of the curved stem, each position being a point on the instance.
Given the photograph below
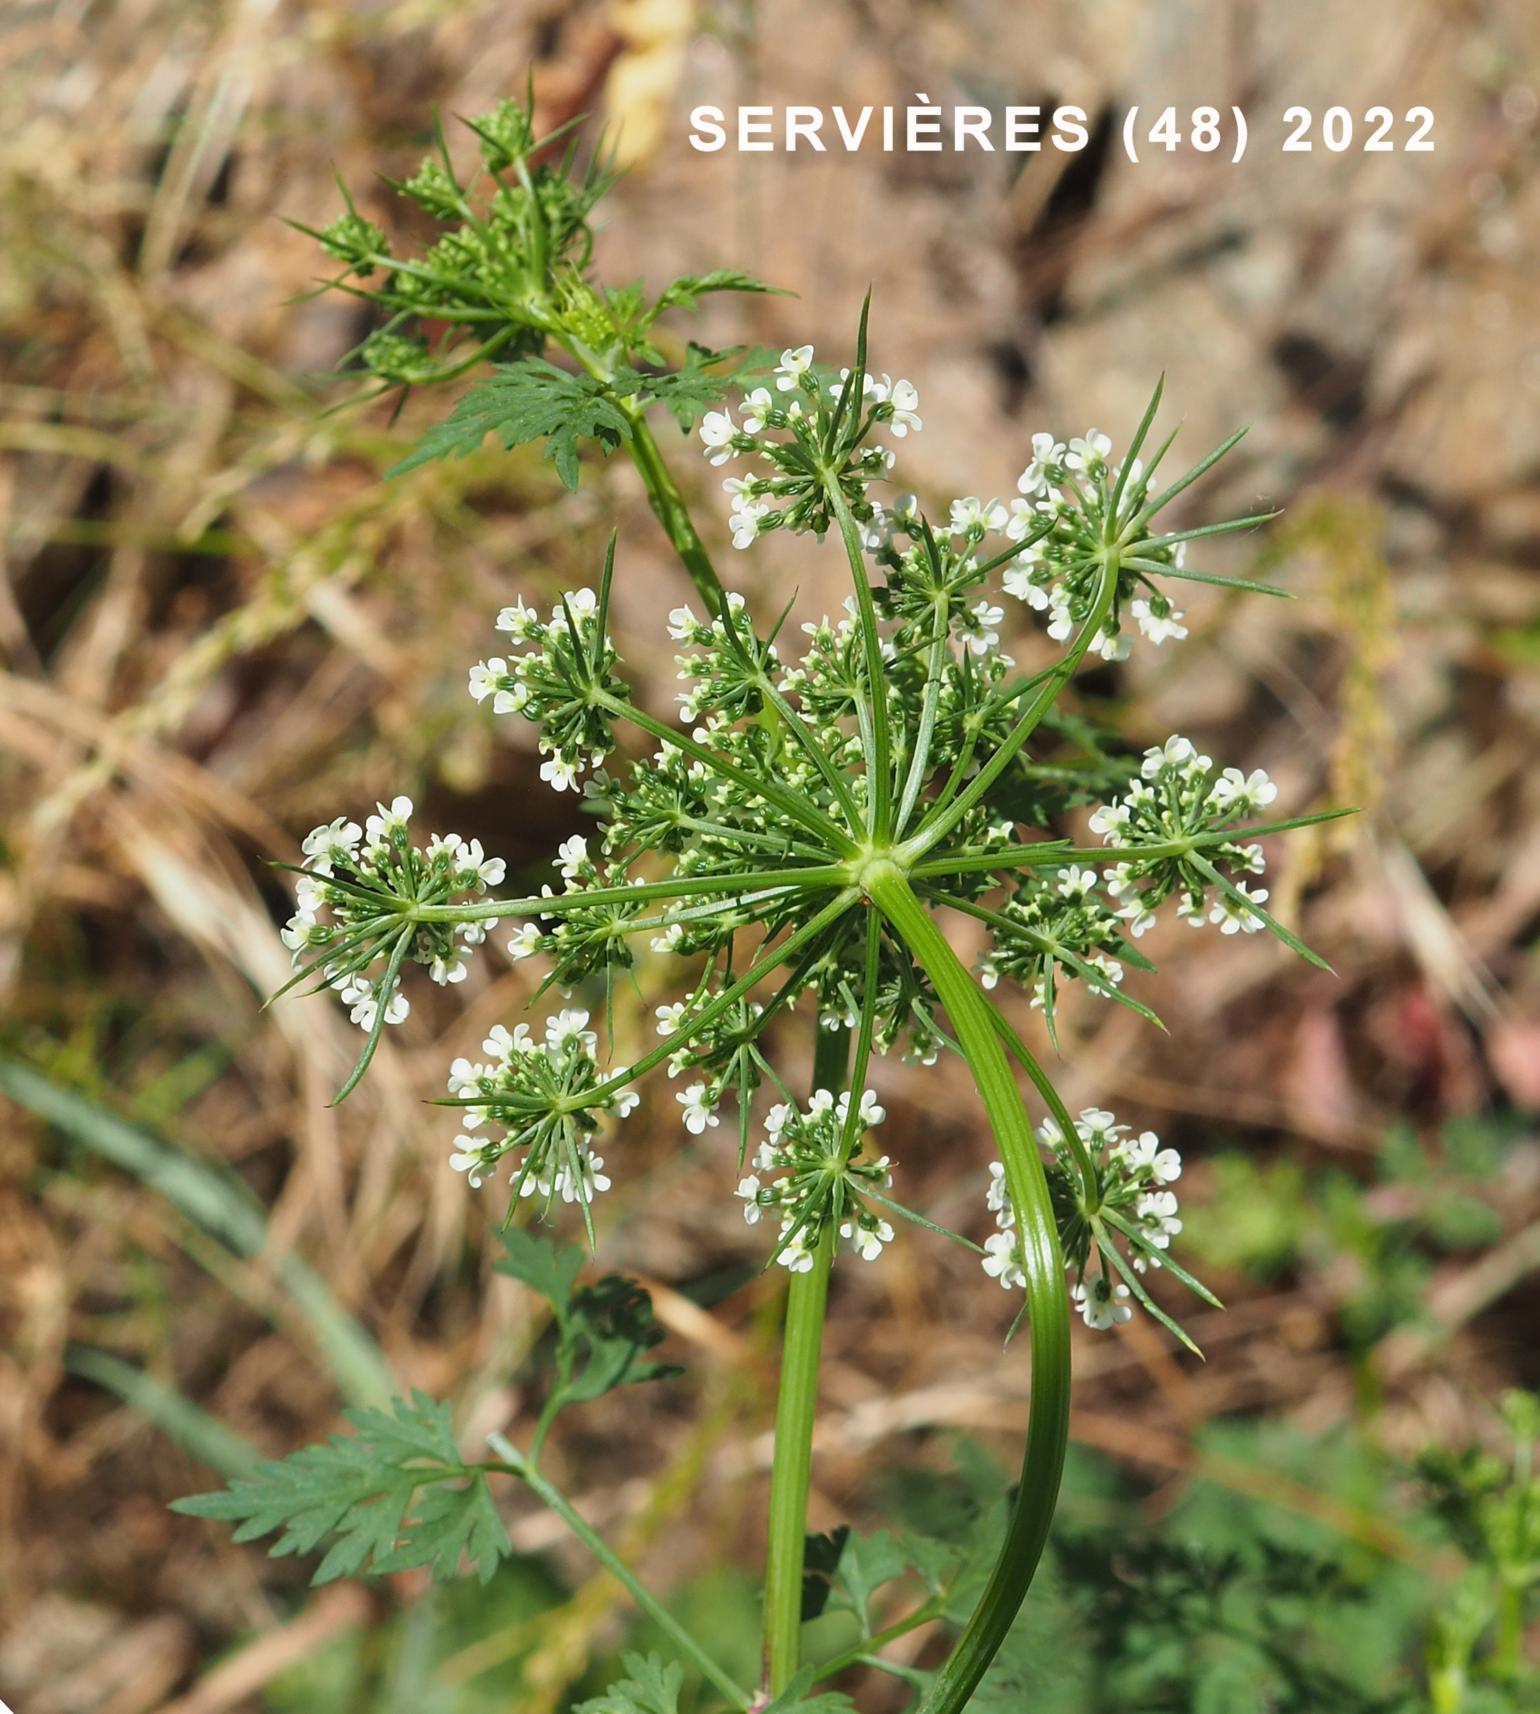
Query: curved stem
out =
(1047, 1297)
(796, 1406)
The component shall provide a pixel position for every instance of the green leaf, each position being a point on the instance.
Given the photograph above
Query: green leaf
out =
(524, 402)
(687, 291)
(651, 1686)
(865, 1563)
(363, 1489)
(794, 1699)
(608, 1330)
(686, 392)
(545, 1265)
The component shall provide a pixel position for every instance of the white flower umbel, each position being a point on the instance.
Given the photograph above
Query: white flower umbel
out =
(1116, 1213)
(542, 1100)
(810, 1171)
(352, 924)
(794, 431)
(1176, 800)
(564, 682)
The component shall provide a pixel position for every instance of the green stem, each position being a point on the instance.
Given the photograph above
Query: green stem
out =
(876, 673)
(669, 508)
(754, 884)
(790, 803)
(556, 1501)
(1047, 1297)
(858, 1652)
(796, 1406)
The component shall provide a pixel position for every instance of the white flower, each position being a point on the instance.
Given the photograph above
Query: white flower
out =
(519, 621)
(867, 1241)
(1046, 452)
(489, 870)
(389, 822)
(1157, 1211)
(1158, 626)
(321, 842)
(1232, 916)
(794, 364)
(526, 943)
(1235, 790)
(1076, 883)
(682, 624)
(744, 522)
(748, 1190)
(468, 1159)
(1109, 820)
(571, 855)
(580, 603)
(671, 1017)
(1000, 1260)
(358, 994)
(1101, 1304)
(1144, 1153)
(504, 1044)
(296, 933)
(1017, 581)
(905, 400)
(569, 1024)
(986, 637)
(756, 406)
(1088, 450)
(971, 513)
(1176, 752)
(594, 1178)
(699, 1109)
(999, 1199)
(484, 676)
(561, 775)
(1061, 622)
(1139, 919)
(717, 429)
(870, 1113)
(796, 1257)
(450, 967)
(669, 939)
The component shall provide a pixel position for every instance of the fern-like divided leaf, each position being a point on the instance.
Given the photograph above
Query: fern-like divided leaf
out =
(687, 291)
(523, 402)
(395, 1493)
(651, 1686)
(533, 400)
(687, 392)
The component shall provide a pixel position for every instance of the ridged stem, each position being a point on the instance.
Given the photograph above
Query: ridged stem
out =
(972, 1019)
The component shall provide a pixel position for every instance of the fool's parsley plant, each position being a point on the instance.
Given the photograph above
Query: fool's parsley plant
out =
(788, 838)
